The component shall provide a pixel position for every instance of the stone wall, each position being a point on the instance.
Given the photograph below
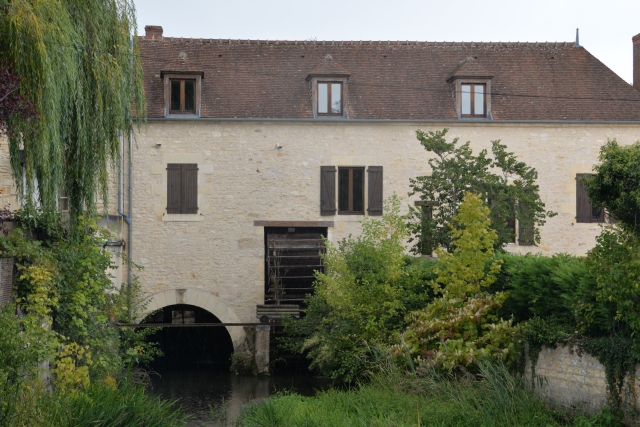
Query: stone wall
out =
(244, 177)
(575, 381)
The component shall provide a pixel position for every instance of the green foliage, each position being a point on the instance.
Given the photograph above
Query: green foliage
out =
(559, 288)
(23, 345)
(392, 398)
(615, 264)
(102, 404)
(616, 185)
(506, 184)
(462, 326)
(619, 356)
(80, 66)
(361, 299)
(64, 284)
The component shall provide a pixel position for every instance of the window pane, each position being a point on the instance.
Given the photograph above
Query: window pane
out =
(596, 212)
(336, 98)
(323, 98)
(189, 95)
(175, 95)
(358, 187)
(343, 189)
(466, 99)
(479, 100)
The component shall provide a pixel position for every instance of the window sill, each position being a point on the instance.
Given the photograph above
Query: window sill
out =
(181, 116)
(182, 217)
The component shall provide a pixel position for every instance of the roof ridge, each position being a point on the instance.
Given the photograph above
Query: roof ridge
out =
(470, 44)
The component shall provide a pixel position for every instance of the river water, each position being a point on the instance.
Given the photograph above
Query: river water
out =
(202, 393)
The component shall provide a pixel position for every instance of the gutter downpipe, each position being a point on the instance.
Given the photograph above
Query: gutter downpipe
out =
(126, 217)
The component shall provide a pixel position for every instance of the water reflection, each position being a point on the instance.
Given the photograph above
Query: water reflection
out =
(199, 391)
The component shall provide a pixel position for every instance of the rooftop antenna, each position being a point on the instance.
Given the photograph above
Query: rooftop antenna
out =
(578, 37)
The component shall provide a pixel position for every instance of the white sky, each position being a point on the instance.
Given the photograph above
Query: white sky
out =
(606, 27)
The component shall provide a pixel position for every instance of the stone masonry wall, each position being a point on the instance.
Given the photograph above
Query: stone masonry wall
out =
(243, 177)
(576, 381)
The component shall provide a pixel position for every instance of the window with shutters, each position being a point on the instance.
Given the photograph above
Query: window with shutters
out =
(585, 211)
(350, 194)
(182, 93)
(182, 188)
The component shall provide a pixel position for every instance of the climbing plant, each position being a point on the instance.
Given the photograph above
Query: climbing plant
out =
(80, 67)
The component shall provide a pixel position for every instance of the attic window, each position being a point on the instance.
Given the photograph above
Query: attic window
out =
(473, 100)
(330, 98)
(182, 92)
(183, 96)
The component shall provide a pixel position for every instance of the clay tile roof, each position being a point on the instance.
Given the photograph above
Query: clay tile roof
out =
(397, 80)
(328, 67)
(470, 67)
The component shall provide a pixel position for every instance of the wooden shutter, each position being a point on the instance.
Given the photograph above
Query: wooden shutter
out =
(525, 234)
(375, 190)
(190, 188)
(174, 188)
(583, 204)
(327, 190)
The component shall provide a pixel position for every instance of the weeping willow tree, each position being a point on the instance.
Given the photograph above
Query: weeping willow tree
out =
(80, 66)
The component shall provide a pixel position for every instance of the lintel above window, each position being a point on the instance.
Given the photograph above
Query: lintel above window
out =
(182, 93)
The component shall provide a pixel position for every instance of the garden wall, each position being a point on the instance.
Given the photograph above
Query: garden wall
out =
(573, 380)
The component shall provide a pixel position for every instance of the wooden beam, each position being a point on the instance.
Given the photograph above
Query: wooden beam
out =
(261, 223)
(426, 203)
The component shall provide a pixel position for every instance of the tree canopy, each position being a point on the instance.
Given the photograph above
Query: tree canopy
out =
(507, 185)
(79, 66)
(616, 184)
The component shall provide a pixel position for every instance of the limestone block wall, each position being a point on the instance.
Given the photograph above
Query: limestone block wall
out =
(576, 381)
(8, 190)
(244, 177)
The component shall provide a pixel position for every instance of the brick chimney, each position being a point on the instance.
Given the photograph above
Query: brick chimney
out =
(636, 61)
(155, 32)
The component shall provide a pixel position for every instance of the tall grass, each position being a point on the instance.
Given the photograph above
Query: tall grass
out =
(101, 405)
(492, 398)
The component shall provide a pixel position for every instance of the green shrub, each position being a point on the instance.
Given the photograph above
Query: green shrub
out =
(461, 326)
(361, 298)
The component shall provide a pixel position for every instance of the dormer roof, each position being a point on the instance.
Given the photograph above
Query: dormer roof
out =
(470, 68)
(328, 68)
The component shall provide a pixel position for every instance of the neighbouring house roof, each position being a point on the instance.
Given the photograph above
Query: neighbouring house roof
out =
(390, 80)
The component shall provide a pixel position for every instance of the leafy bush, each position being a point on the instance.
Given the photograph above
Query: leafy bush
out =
(361, 299)
(462, 325)
(560, 288)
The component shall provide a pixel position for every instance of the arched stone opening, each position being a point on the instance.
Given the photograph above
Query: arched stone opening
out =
(202, 299)
(186, 345)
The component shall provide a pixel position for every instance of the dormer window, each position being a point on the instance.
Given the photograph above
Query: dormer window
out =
(473, 100)
(330, 98)
(329, 89)
(182, 93)
(471, 85)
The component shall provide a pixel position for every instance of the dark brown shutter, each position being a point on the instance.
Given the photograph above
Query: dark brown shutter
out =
(583, 205)
(174, 187)
(525, 234)
(327, 190)
(190, 188)
(375, 190)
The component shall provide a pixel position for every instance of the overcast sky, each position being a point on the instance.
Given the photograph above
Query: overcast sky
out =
(606, 27)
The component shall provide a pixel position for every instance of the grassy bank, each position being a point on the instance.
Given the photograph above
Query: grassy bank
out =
(493, 398)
